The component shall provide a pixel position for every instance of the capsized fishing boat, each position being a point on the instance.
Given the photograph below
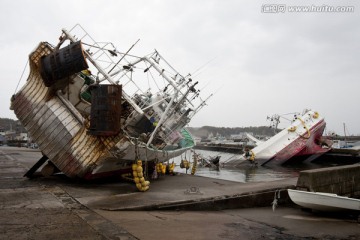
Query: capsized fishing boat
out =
(94, 110)
(212, 161)
(303, 138)
(323, 201)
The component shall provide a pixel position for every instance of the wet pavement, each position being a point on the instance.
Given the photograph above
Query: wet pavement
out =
(60, 208)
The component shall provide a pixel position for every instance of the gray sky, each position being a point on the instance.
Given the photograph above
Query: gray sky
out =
(262, 63)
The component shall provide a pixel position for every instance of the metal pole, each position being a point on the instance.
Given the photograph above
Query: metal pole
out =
(123, 56)
(161, 119)
(172, 83)
(104, 73)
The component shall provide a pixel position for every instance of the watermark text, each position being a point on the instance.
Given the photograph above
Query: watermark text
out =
(283, 8)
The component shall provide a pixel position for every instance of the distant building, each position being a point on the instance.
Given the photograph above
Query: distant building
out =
(2, 140)
(22, 137)
(240, 136)
(10, 135)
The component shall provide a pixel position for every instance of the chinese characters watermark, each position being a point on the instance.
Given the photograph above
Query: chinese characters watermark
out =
(283, 8)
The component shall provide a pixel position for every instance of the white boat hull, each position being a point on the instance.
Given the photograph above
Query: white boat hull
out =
(323, 201)
(303, 138)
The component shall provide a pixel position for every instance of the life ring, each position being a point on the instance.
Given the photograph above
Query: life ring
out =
(315, 115)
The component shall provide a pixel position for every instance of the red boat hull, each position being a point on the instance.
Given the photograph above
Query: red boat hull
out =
(303, 146)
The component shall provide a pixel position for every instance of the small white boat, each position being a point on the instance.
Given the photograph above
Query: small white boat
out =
(323, 201)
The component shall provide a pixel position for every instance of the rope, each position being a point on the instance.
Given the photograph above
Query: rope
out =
(275, 201)
(194, 166)
(236, 154)
(136, 149)
(22, 74)
(149, 72)
(146, 164)
(307, 129)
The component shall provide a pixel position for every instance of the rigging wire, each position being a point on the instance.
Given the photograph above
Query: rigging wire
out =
(124, 55)
(154, 80)
(22, 74)
(147, 75)
(156, 53)
(201, 67)
(104, 49)
(205, 85)
(239, 154)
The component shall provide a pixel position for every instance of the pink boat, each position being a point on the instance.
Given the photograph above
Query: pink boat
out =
(303, 139)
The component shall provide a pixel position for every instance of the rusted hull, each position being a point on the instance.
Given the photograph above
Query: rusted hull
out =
(59, 134)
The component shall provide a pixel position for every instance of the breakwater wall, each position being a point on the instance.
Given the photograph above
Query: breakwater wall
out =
(342, 180)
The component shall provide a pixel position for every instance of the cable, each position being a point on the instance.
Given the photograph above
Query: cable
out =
(21, 76)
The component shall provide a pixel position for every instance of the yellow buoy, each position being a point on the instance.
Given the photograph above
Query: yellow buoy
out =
(163, 169)
(171, 168)
(158, 167)
(139, 169)
(138, 176)
(134, 167)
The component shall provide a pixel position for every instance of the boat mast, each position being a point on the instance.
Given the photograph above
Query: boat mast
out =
(345, 136)
(162, 119)
(168, 79)
(201, 105)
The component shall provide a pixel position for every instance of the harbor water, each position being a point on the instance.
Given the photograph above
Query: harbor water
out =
(245, 173)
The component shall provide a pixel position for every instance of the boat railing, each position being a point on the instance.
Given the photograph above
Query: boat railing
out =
(122, 66)
(108, 58)
(137, 75)
(134, 73)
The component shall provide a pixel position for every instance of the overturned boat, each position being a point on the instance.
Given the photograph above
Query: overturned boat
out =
(302, 140)
(212, 161)
(93, 110)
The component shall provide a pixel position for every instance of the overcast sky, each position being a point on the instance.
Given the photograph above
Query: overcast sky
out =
(260, 63)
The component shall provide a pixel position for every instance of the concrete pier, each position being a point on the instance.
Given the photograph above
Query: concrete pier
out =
(342, 180)
(60, 208)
